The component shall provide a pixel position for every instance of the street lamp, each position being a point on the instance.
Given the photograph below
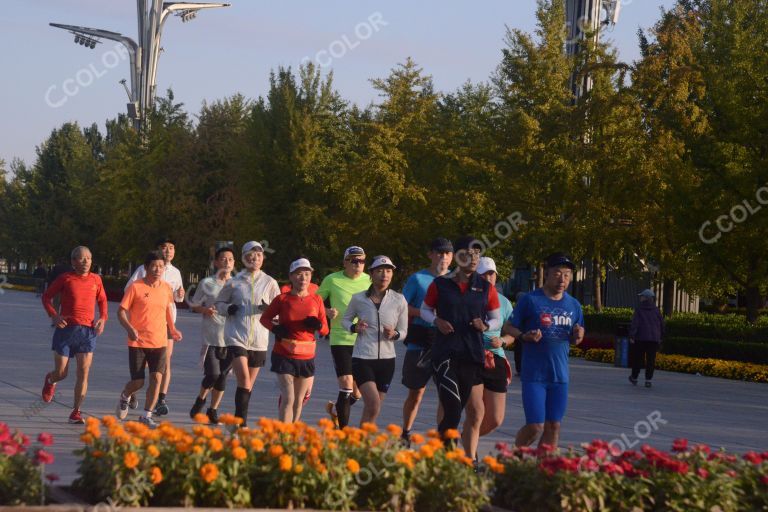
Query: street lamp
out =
(143, 55)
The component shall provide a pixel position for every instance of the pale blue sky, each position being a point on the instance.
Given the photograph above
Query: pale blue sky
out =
(232, 50)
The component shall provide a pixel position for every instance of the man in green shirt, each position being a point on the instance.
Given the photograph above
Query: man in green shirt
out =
(337, 290)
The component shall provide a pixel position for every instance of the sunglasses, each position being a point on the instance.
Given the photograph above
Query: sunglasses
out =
(357, 262)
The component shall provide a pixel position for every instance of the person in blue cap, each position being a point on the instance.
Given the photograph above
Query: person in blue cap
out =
(548, 320)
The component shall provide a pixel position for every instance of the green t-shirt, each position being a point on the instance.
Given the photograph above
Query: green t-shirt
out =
(340, 289)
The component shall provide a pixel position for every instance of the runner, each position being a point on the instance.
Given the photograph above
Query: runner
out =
(243, 299)
(379, 317)
(337, 290)
(417, 368)
(312, 289)
(497, 373)
(547, 320)
(293, 355)
(216, 363)
(172, 276)
(146, 313)
(76, 330)
(458, 304)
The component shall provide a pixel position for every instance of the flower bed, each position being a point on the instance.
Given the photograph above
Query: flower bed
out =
(710, 367)
(275, 465)
(22, 467)
(600, 477)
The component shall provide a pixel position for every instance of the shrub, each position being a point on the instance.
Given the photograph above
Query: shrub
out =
(600, 477)
(274, 465)
(717, 349)
(709, 367)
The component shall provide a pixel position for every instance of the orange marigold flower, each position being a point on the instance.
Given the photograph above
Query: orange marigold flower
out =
(209, 472)
(286, 462)
(183, 447)
(353, 466)
(239, 453)
(314, 452)
(257, 444)
(435, 443)
(452, 433)
(489, 460)
(395, 430)
(417, 438)
(230, 419)
(302, 449)
(276, 450)
(371, 428)
(234, 442)
(152, 450)
(433, 434)
(97, 454)
(405, 458)
(321, 469)
(201, 418)
(109, 421)
(380, 439)
(298, 468)
(131, 460)
(427, 451)
(86, 438)
(156, 475)
(325, 424)
(497, 468)
(467, 460)
(197, 449)
(215, 445)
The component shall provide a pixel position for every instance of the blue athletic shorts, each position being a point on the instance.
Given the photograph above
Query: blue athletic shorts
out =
(73, 339)
(544, 401)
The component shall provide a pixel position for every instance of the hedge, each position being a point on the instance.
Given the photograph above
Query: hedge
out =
(717, 349)
(710, 367)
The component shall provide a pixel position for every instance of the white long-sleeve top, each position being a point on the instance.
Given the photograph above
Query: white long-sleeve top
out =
(392, 312)
(247, 291)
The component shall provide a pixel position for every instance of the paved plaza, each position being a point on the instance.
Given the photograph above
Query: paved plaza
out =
(602, 403)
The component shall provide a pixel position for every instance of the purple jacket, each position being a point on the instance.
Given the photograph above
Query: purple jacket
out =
(647, 323)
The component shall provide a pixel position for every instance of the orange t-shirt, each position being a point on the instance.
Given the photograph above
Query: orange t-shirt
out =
(146, 306)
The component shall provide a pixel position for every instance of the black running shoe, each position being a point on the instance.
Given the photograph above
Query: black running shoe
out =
(195, 410)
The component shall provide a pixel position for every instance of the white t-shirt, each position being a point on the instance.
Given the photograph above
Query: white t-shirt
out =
(172, 276)
(213, 326)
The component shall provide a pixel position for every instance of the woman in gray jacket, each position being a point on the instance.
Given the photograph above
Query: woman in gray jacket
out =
(379, 316)
(645, 335)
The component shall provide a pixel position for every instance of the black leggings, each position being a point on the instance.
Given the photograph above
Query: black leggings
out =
(455, 379)
(644, 351)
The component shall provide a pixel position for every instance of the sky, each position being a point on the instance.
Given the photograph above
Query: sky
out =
(48, 80)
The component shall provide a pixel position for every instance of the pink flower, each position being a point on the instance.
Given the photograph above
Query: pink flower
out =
(702, 448)
(44, 457)
(24, 440)
(680, 445)
(703, 473)
(52, 477)
(45, 439)
(502, 446)
(731, 473)
(11, 449)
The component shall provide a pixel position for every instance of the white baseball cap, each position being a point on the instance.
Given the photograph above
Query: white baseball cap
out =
(252, 246)
(301, 263)
(381, 261)
(647, 293)
(486, 264)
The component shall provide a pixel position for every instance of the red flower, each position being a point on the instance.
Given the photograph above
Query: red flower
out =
(764, 479)
(703, 473)
(731, 473)
(45, 439)
(702, 448)
(753, 457)
(502, 446)
(11, 449)
(680, 445)
(24, 440)
(612, 469)
(44, 457)
(52, 477)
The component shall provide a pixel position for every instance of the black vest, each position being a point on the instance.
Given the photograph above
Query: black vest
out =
(459, 309)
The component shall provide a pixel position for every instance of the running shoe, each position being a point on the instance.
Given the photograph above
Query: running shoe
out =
(195, 410)
(133, 402)
(150, 422)
(49, 389)
(122, 408)
(405, 441)
(213, 416)
(76, 418)
(633, 380)
(330, 408)
(161, 409)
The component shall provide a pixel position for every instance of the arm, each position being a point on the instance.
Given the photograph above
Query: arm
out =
(402, 321)
(224, 298)
(122, 317)
(427, 313)
(176, 335)
(101, 298)
(196, 303)
(53, 289)
(270, 313)
(348, 321)
(409, 292)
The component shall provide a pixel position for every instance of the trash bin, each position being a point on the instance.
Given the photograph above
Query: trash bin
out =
(621, 346)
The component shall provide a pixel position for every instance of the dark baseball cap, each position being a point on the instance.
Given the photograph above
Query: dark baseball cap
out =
(441, 245)
(560, 259)
(164, 240)
(466, 242)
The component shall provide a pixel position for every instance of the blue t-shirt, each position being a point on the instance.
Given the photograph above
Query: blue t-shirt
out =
(547, 360)
(506, 314)
(414, 291)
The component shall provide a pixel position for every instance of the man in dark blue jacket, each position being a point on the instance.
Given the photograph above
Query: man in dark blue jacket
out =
(645, 335)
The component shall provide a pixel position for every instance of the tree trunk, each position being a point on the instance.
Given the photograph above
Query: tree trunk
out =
(597, 274)
(753, 300)
(668, 298)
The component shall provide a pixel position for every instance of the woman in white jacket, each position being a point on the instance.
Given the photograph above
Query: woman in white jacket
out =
(379, 316)
(243, 299)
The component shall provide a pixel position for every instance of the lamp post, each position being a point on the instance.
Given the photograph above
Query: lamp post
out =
(144, 55)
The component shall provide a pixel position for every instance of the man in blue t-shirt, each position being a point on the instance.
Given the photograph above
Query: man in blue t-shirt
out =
(421, 334)
(547, 320)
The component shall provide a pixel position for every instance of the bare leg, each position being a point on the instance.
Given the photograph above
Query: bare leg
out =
(167, 375)
(60, 368)
(411, 407)
(372, 400)
(286, 383)
(527, 435)
(155, 379)
(133, 386)
(495, 405)
(216, 397)
(81, 384)
(300, 387)
(475, 410)
(551, 435)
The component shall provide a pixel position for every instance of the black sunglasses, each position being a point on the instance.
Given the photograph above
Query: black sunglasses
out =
(357, 262)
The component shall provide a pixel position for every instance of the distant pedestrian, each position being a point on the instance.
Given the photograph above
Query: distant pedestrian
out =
(39, 276)
(645, 335)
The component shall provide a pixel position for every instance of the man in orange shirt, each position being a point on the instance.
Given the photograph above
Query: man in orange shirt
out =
(146, 314)
(76, 330)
